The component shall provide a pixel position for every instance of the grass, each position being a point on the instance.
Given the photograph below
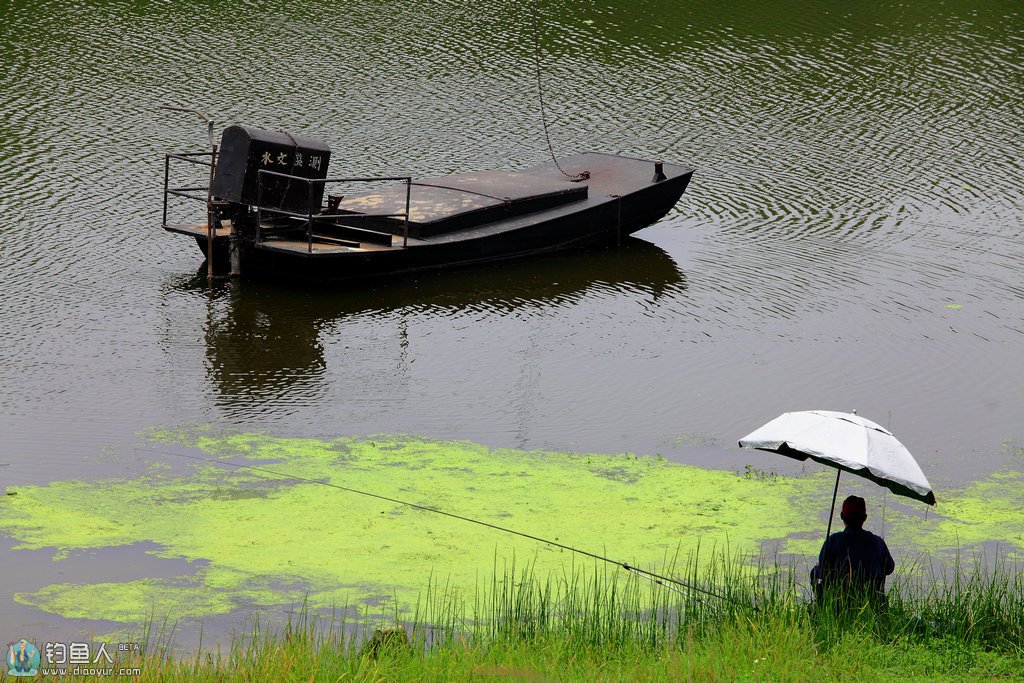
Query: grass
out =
(601, 623)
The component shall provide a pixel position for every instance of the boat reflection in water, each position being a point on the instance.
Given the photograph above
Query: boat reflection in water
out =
(267, 341)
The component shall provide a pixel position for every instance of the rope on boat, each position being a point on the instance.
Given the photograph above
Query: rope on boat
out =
(664, 581)
(575, 177)
(506, 200)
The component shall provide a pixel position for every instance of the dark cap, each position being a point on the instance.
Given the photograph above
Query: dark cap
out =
(855, 508)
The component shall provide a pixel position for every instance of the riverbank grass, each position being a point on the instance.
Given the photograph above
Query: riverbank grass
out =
(728, 623)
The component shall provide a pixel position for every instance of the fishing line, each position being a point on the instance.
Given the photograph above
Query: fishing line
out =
(658, 579)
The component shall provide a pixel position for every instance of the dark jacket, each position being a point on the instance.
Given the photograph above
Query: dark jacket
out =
(854, 558)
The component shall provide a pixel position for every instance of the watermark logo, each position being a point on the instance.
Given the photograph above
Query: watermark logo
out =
(77, 658)
(22, 658)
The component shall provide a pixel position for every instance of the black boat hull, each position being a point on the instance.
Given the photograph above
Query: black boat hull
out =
(601, 220)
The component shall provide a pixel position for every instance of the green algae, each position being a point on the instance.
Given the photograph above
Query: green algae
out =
(258, 540)
(983, 512)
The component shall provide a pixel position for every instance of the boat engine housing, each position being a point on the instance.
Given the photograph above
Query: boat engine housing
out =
(244, 152)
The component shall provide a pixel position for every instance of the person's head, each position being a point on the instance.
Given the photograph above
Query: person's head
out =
(854, 512)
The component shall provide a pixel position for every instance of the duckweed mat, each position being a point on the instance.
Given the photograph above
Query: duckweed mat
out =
(256, 539)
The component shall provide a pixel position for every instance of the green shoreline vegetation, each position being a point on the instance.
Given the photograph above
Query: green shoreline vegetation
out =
(602, 624)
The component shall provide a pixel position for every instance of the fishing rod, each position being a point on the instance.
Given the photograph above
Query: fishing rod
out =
(663, 581)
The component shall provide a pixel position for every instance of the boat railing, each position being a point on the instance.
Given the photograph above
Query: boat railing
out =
(199, 193)
(314, 212)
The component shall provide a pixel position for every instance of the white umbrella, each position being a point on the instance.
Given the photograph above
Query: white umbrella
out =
(847, 442)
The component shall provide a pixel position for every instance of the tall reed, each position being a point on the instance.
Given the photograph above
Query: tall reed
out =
(729, 609)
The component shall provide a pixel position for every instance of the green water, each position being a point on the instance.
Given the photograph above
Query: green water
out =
(259, 539)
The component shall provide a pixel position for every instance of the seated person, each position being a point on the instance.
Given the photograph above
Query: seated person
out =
(853, 561)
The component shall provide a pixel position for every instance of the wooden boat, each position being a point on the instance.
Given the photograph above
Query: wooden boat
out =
(267, 214)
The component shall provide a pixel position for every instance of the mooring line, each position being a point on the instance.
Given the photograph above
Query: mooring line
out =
(574, 177)
(643, 573)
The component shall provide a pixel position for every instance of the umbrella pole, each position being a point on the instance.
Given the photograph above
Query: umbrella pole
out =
(832, 510)
(819, 584)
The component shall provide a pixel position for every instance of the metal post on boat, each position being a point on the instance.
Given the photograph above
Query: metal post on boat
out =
(408, 196)
(259, 206)
(209, 207)
(618, 218)
(309, 217)
(659, 172)
(618, 222)
(209, 188)
(234, 253)
(167, 180)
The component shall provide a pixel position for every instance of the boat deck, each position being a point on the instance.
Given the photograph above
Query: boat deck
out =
(438, 205)
(199, 229)
(321, 245)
